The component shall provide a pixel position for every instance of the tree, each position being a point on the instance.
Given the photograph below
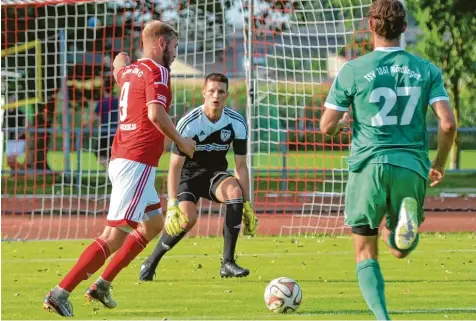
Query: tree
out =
(448, 41)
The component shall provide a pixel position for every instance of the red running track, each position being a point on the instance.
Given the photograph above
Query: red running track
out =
(442, 215)
(82, 227)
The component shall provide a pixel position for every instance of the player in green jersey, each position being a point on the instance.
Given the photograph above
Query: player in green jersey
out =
(389, 90)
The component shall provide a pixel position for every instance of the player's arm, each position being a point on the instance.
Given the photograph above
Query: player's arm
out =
(242, 176)
(173, 177)
(333, 121)
(159, 117)
(175, 221)
(157, 96)
(446, 137)
(121, 61)
(439, 101)
(341, 94)
(240, 143)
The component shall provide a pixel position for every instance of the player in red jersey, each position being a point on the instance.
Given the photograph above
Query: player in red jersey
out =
(133, 217)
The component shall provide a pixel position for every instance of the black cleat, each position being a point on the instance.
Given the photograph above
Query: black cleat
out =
(62, 307)
(147, 272)
(229, 269)
(103, 295)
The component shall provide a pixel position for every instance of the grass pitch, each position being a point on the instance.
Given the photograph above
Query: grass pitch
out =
(436, 282)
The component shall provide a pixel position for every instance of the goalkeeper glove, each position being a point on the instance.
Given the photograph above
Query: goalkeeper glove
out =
(249, 219)
(175, 219)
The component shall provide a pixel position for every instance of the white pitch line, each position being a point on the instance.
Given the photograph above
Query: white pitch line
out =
(408, 311)
(266, 254)
(323, 313)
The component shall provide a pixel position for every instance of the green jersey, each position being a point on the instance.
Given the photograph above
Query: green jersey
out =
(390, 91)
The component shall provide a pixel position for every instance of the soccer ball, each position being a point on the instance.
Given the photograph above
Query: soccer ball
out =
(283, 295)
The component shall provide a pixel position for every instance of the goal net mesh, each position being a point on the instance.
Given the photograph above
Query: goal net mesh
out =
(57, 85)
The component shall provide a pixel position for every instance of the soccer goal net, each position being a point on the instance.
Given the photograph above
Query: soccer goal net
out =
(58, 96)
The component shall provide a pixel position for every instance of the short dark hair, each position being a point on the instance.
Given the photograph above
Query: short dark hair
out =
(389, 17)
(216, 77)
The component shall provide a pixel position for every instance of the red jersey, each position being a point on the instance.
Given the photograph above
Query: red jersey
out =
(137, 139)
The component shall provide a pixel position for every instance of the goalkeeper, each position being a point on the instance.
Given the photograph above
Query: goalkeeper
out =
(214, 127)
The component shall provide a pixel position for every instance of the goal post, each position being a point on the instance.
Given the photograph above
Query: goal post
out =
(280, 57)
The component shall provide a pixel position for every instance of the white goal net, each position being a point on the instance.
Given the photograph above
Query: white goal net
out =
(57, 84)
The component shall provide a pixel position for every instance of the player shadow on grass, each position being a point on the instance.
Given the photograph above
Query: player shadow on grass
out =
(264, 281)
(389, 281)
(401, 312)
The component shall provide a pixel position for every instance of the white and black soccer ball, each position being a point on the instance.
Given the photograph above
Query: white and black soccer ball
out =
(283, 295)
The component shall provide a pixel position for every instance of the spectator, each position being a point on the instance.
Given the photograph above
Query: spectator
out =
(15, 125)
(106, 114)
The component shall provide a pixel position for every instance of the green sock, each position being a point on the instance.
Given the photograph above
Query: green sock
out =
(372, 286)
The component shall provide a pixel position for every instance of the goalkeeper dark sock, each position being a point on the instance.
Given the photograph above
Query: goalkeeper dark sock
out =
(165, 243)
(372, 285)
(231, 229)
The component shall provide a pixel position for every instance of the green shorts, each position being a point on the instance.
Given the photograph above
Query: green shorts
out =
(377, 190)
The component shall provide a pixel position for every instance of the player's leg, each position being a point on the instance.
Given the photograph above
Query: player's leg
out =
(89, 262)
(96, 254)
(135, 242)
(407, 194)
(224, 188)
(365, 207)
(137, 181)
(167, 242)
(187, 197)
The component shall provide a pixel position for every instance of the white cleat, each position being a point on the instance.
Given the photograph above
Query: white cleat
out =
(407, 226)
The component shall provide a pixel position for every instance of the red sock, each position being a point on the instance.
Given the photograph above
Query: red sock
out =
(92, 258)
(134, 244)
